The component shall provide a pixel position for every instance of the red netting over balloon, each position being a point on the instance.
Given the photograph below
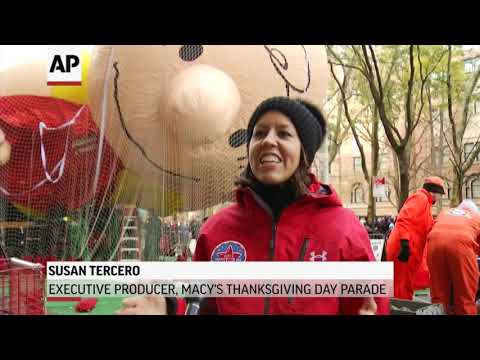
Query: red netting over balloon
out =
(56, 189)
(55, 148)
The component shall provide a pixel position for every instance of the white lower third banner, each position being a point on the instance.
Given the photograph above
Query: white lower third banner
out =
(220, 279)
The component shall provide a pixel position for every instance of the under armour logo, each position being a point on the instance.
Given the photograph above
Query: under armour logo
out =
(318, 257)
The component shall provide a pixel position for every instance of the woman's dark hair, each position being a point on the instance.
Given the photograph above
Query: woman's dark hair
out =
(300, 179)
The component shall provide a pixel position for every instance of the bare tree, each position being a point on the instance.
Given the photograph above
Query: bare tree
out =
(339, 129)
(387, 101)
(460, 161)
(370, 127)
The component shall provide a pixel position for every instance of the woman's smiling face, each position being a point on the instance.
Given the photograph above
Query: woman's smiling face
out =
(274, 150)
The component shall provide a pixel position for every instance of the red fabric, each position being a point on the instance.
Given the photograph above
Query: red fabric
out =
(86, 305)
(319, 217)
(380, 181)
(181, 307)
(452, 258)
(413, 223)
(422, 276)
(20, 117)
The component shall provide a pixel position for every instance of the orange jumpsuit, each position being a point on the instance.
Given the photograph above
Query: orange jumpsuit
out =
(413, 223)
(453, 245)
(421, 279)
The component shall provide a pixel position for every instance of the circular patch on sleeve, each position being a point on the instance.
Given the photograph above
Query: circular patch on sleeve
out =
(229, 251)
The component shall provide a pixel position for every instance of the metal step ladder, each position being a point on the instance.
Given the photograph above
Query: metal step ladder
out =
(130, 247)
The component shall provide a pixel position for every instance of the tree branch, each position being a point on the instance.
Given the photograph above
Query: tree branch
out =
(357, 54)
(408, 104)
(390, 71)
(348, 66)
(472, 156)
(341, 63)
(397, 133)
(422, 87)
(466, 106)
(449, 99)
(436, 64)
(377, 71)
(417, 168)
(454, 162)
(430, 173)
(354, 132)
(379, 102)
(364, 123)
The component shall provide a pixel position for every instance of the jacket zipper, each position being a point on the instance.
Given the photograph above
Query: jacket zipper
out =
(272, 241)
(266, 307)
(300, 258)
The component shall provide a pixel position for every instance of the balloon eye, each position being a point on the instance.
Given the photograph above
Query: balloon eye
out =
(190, 52)
(238, 138)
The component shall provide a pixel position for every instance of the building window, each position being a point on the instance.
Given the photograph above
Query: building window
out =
(468, 148)
(472, 189)
(357, 194)
(475, 188)
(357, 163)
(476, 107)
(471, 65)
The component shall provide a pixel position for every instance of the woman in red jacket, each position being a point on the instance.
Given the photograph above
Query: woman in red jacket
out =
(282, 213)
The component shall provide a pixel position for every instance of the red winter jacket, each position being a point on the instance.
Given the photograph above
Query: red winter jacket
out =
(316, 225)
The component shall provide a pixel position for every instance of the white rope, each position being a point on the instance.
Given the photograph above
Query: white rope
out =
(103, 120)
(103, 123)
(42, 127)
(60, 166)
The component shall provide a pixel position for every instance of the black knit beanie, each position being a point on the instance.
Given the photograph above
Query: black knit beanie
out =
(434, 188)
(307, 119)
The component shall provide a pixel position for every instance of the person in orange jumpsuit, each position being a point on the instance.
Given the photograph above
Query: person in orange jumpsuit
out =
(453, 245)
(406, 243)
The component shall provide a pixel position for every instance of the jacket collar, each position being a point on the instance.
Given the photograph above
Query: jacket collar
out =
(322, 194)
(429, 196)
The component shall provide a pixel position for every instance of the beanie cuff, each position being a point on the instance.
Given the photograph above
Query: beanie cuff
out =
(434, 188)
(307, 126)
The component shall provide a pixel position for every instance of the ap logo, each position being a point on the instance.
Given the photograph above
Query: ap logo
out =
(64, 67)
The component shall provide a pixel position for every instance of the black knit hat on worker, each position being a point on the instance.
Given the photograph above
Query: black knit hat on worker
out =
(434, 184)
(307, 119)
